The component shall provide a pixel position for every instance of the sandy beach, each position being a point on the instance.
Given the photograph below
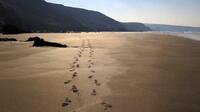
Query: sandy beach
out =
(100, 72)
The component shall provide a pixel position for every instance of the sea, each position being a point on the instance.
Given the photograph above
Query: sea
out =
(189, 35)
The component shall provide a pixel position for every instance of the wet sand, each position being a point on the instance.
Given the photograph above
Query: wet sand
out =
(111, 72)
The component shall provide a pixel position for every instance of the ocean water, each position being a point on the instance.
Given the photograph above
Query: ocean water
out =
(189, 35)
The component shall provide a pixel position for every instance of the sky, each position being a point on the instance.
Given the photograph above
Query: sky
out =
(173, 12)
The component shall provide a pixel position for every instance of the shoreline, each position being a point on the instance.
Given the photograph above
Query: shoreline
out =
(188, 35)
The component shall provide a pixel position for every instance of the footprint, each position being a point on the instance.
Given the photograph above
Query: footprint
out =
(74, 89)
(106, 105)
(91, 76)
(94, 93)
(72, 70)
(74, 75)
(103, 103)
(79, 54)
(97, 83)
(93, 71)
(76, 59)
(89, 66)
(109, 105)
(77, 65)
(67, 100)
(67, 82)
(65, 104)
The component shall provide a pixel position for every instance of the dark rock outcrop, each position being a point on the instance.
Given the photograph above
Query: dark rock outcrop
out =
(33, 39)
(43, 43)
(8, 39)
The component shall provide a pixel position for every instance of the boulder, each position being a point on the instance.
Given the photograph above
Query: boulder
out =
(8, 39)
(33, 39)
(42, 43)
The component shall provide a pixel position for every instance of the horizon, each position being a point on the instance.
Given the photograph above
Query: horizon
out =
(150, 12)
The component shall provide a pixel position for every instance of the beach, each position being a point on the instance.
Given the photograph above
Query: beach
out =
(100, 72)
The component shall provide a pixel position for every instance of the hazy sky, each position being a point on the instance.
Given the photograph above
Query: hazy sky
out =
(178, 12)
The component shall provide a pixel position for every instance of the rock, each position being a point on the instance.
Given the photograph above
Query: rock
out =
(41, 43)
(33, 39)
(8, 39)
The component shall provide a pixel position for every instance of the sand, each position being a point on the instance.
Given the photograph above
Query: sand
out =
(130, 72)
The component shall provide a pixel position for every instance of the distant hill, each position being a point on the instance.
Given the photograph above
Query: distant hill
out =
(40, 16)
(132, 26)
(172, 28)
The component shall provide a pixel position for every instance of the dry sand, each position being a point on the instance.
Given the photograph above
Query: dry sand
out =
(133, 72)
